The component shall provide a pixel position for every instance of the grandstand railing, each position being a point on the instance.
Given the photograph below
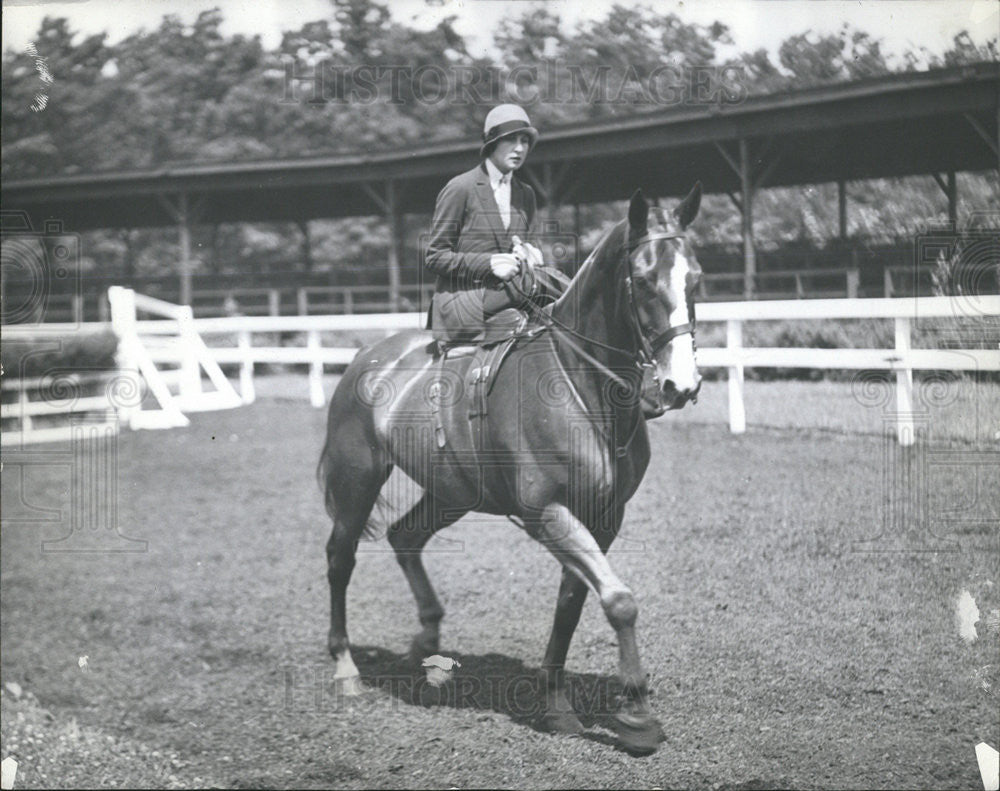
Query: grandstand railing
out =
(304, 300)
(782, 284)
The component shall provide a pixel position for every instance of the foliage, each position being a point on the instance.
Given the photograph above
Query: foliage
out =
(189, 92)
(78, 352)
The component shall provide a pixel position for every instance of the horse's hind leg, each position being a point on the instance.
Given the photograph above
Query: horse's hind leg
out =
(354, 475)
(408, 535)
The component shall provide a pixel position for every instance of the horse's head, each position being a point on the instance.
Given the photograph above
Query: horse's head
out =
(663, 275)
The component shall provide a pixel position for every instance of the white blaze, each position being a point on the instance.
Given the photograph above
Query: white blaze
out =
(681, 367)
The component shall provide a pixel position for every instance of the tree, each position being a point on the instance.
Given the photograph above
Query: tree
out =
(46, 93)
(964, 51)
(361, 24)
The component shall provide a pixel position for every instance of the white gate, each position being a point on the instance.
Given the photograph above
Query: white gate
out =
(178, 345)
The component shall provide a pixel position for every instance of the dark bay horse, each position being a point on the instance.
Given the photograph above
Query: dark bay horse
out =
(563, 449)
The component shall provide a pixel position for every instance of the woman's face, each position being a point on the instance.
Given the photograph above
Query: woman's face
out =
(511, 151)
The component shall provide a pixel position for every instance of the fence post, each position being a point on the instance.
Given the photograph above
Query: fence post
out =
(737, 411)
(121, 302)
(348, 300)
(274, 302)
(316, 396)
(887, 289)
(303, 300)
(190, 377)
(244, 343)
(78, 308)
(26, 424)
(853, 281)
(904, 384)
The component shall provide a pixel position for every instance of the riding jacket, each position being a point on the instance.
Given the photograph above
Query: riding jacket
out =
(466, 231)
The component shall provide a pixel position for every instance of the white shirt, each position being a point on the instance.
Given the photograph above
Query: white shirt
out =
(500, 182)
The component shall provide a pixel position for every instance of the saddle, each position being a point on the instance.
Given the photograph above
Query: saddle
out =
(489, 347)
(488, 350)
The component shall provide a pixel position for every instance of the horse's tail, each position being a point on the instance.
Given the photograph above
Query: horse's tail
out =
(326, 472)
(324, 477)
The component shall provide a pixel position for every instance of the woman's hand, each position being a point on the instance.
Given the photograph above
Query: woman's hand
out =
(504, 265)
(526, 252)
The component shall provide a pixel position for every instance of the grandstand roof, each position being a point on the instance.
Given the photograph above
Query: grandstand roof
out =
(903, 124)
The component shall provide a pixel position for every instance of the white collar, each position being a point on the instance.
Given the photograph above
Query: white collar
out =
(495, 175)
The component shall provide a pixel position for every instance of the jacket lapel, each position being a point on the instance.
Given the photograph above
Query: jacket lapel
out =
(489, 207)
(518, 212)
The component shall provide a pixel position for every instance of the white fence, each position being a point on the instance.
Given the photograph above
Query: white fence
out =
(67, 396)
(189, 351)
(178, 344)
(903, 358)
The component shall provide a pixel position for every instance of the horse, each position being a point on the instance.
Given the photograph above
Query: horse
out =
(563, 448)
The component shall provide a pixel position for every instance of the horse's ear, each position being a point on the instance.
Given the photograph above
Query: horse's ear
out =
(687, 209)
(638, 212)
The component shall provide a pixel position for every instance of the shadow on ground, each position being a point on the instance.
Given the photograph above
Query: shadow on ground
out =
(492, 684)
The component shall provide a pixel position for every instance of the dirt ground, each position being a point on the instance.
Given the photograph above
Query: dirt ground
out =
(797, 589)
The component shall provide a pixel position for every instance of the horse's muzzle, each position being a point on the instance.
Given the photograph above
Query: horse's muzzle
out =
(674, 398)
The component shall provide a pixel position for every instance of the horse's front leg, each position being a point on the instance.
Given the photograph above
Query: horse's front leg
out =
(577, 549)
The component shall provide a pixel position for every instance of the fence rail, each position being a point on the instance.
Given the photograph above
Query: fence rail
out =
(62, 395)
(902, 358)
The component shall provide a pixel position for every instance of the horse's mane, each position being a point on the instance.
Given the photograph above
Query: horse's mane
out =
(613, 237)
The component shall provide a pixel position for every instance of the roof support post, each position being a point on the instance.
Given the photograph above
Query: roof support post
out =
(952, 200)
(743, 167)
(951, 192)
(551, 203)
(552, 186)
(395, 218)
(842, 208)
(529, 175)
(184, 230)
(749, 254)
(389, 203)
(306, 244)
(185, 213)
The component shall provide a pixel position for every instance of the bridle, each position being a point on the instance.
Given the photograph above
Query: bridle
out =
(650, 348)
(647, 348)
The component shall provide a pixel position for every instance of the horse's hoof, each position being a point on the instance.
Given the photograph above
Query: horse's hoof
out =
(349, 686)
(639, 735)
(560, 722)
